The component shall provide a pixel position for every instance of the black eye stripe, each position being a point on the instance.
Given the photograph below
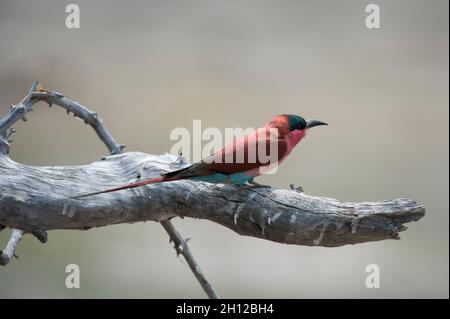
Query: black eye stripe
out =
(302, 124)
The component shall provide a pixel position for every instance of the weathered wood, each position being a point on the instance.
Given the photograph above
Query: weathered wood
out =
(36, 94)
(36, 198)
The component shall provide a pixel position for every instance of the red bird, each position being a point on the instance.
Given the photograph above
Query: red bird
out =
(240, 162)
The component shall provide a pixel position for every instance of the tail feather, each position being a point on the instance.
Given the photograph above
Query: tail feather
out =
(129, 186)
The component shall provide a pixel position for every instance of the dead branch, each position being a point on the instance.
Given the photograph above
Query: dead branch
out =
(34, 199)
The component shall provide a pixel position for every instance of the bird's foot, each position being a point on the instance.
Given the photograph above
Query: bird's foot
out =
(297, 189)
(254, 184)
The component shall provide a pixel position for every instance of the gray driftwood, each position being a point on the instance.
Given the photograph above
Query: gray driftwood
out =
(34, 199)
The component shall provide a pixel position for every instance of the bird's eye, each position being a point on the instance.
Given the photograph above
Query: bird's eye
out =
(302, 125)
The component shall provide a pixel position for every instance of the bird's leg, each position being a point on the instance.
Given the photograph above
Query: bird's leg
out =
(254, 184)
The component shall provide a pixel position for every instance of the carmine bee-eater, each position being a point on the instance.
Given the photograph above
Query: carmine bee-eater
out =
(240, 162)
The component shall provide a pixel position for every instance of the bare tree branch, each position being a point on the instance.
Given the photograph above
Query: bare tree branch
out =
(36, 94)
(51, 97)
(35, 199)
(181, 247)
(10, 249)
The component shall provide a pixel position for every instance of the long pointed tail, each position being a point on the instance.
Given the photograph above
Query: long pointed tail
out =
(133, 185)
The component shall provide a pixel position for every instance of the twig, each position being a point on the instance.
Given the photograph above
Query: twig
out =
(17, 112)
(181, 247)
(36, 94)
(10, 249)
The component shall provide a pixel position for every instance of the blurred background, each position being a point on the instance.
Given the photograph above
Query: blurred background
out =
(150, 66)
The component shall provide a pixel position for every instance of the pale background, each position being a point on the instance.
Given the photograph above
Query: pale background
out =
(148, 67)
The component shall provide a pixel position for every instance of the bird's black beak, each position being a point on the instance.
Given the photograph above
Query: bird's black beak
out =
(312, 123)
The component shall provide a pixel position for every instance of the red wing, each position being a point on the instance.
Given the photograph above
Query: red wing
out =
(244, 156)
(251, 152)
